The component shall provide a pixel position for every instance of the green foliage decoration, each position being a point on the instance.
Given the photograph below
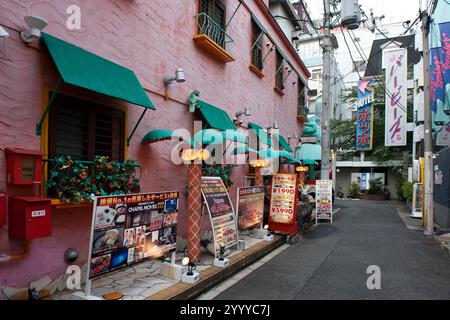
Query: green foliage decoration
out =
(354, 190)
(218, 170)
(376, 186)
(75, 181)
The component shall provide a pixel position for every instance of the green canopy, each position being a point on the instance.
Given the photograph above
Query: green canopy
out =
(160, 135)
(216, 117)
(273, 154)
(310, 163)
(210, 136)
(309, 151)
(84, 69)
(294, 161)
(283, 143)
(260, 133)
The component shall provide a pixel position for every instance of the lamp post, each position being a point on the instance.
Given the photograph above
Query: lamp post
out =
(258, 164)
(195, 158)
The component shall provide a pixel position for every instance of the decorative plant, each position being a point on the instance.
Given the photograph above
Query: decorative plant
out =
(376, 186)
(407, 188)
(354, 190)
(218, 170)
(399, 189)
(76, 181)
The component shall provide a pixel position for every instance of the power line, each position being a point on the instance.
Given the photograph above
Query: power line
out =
(350, 52)
(387, 92)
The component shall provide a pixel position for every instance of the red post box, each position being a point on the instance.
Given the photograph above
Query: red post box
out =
(3, 208)
(23, 167)
(29, 217)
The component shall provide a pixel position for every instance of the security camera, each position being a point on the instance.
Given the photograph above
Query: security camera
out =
(35, 25)
(3, 33)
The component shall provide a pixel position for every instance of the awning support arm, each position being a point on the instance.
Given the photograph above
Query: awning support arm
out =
(47, 108)
(137, 125)
(256, 41)
(229, 21)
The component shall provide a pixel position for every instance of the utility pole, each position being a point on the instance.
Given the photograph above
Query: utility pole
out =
(428, 187)
(327, 46)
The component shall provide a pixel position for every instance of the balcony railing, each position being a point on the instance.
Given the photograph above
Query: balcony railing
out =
(207, 26)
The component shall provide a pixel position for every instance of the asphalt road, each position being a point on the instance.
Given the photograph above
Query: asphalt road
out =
(332, 261)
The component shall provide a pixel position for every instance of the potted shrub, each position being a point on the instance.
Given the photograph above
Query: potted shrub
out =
(354, 190)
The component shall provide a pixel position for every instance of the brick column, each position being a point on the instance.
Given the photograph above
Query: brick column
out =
(194, 211)
(259, 181)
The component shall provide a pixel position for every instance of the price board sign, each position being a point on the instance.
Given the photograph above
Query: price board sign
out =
(221, 212)
(283, 203)
(324, 200)
(128, 229)
(250, 207)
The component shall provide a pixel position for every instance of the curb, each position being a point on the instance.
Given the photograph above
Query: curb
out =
(212, 276)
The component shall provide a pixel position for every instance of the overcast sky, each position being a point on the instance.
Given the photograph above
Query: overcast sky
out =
(394, 10)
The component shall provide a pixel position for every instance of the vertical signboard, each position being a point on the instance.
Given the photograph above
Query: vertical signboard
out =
(283, 203)
(324, 200)
(396, 62)
(417, 201)
(223, 219)
(364, 116)
(130, 228)
(250, 207)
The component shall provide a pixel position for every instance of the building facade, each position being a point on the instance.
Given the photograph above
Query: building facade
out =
(246, 61)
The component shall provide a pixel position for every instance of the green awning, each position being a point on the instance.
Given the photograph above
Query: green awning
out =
(160, 135)
(216, 117)
(294, 161)
(309, 151)
(260, 133)
(212, 136)
(273, 154)
(84, 69)
(283, 143)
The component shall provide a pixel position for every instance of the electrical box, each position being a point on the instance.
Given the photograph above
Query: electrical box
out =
(23, 167)
(3, 208)
(29, 217)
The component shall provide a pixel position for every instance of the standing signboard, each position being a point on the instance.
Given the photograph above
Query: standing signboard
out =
(129, 228)
(283, 203)
(250, 207)
(324, 200)
(223, 218)
(417, 201)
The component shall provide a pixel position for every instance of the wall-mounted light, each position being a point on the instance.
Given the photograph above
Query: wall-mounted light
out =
(3, 33)
(35, 25)
(247, 112)
(178, 77)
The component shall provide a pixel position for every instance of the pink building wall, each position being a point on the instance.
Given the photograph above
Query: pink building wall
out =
(153, 38)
